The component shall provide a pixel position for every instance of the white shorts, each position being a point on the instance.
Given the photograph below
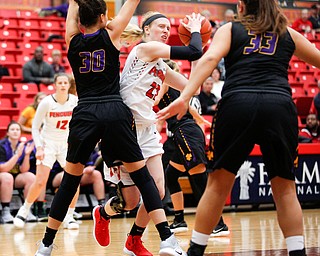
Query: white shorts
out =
(54, 151)
(116, 174)
(149, 141)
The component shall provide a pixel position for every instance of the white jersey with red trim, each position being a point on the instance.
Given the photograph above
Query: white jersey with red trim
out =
(55, 118)
(139, 85)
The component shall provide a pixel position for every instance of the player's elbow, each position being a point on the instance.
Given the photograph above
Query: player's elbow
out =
(195, 55)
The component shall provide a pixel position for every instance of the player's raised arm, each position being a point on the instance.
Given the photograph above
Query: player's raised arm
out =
(72, 27)
(119, 23)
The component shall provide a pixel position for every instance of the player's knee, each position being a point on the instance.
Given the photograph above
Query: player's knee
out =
(172, 176)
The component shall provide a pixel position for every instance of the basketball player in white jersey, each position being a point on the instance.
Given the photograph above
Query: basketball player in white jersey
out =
(141, 79)
(54, 113)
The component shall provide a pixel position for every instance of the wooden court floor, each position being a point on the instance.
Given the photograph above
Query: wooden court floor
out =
(252, 234)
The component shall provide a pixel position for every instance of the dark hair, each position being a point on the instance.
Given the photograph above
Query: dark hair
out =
(90, 10)
(314, 6)
(12, 122)
(264, 15)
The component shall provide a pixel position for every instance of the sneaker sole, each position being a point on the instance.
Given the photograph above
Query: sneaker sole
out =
(170, 252)
(222, 233)
(179, 230)
(127, 252)
(18, 222)
(94, 224)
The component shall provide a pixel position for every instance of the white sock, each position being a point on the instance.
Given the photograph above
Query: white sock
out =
(199, 238)
(27, 205)
(295, 243)
(70, 212)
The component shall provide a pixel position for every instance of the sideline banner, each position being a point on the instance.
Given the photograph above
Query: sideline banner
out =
(253, 187)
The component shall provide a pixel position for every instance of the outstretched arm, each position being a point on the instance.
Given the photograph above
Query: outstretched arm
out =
(72, 27)
(154, 50)
(305, 50)
(118, 24)
(219, 48)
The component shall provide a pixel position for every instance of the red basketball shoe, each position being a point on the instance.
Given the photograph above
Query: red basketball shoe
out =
(101, 231)
(134, 247)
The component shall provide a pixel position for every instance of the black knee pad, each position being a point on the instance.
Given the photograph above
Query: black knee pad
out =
(198, 184)
(147, 188)
(172, 176)
(64, 196)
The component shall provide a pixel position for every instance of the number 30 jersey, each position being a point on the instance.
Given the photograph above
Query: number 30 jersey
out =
(265, 58)
(95, 64)
(54, 117)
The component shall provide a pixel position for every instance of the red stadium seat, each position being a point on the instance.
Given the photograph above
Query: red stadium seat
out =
(312, 90)
(306, 77)
(32, 35)
(10, 23)
(6, 108)
(303, 107)
(22, 59)
(29, 24)
(11, 35)
(6, 91)
(298, 66)
(5, 120)
(48, 89)
(26, 90)
(297, 90)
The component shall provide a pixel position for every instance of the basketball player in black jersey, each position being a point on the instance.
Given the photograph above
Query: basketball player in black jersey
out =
(256, 108)
(188, 156)
(100, 115)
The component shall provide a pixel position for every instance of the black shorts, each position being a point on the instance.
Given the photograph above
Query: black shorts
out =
(246, 119)
(108, 119)
(190, 146)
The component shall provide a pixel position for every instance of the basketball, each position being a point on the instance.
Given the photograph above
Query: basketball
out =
(205, 32)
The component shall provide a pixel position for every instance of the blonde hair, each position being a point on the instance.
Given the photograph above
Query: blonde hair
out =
(172, 64)
(35, 99)
(56, 52)
(131, 34)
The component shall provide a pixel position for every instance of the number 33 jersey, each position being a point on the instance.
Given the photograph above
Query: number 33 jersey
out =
(54, 117)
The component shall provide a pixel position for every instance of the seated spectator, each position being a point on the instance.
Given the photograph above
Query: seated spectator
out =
(303, 25)
(91, 176)
(207, 99)
(207, 14)
(59, 10)
(37, 70)
(56, 62)
(314, 17)
(217, 83)
(14, 169)
(315, 107)
(311, 133)
(27, 114)
(228, 17)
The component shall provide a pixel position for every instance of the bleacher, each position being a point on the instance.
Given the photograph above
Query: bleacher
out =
(22, 31)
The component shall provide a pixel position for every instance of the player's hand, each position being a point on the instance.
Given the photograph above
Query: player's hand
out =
(178, 107)
(29, 148)
(20, 149)
(39, 153)
(194, 22)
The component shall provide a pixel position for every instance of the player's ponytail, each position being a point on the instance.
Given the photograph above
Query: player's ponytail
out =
(131, 34)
